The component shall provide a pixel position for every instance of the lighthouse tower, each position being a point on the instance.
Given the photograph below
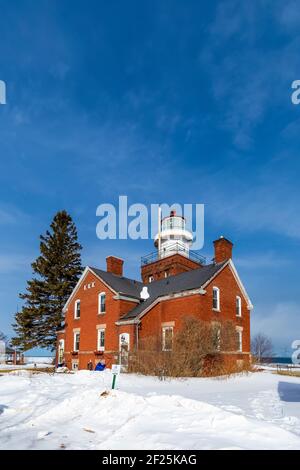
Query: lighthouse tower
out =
(173, 237)
(173, 254)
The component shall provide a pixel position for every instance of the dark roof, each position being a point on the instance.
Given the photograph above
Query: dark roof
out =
(193, 279)
(188, 280)
(120, 284)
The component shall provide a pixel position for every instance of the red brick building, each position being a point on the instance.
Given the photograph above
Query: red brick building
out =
(108, 314)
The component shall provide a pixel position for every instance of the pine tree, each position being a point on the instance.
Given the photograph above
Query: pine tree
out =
(56, 272)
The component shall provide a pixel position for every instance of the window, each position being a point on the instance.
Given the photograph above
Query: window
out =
(124, 345)
(167, 338)
(61, 350)
(239, 334)
(151, 278)
(76, 341)
(238, 306)
(74, 365)
(216, 298)
(101, 340)
(77, 309)
(101, 302)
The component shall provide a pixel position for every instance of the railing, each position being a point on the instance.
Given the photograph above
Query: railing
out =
(172, 250)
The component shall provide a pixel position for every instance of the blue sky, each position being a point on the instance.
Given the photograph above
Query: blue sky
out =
(163, 101)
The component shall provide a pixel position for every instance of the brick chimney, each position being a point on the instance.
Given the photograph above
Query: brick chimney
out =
(223, 249)
(114, 265)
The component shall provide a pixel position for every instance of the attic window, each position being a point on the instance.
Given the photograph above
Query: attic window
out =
(89, 285)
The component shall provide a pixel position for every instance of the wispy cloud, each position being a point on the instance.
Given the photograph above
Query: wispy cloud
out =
(262, 261)
(262, 209)
(249, 76)
(15, 263)
(288, 15)
(280, 321)
(11, 215)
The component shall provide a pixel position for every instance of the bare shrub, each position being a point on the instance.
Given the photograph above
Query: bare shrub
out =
(197, 350)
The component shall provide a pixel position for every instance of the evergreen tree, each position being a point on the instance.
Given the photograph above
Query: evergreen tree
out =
(56, 272)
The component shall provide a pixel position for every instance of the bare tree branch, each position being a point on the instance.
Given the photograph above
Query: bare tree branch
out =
(262, 347)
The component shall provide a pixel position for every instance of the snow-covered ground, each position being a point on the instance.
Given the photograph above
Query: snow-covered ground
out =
(39, 359)
(44, 411)
(29, 365)
(40, 362)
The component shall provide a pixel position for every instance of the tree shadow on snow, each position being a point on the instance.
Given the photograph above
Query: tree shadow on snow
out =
(289, 391)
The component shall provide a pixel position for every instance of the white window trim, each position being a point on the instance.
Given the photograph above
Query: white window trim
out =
(150, 279)
(216, 289)
(238, 298)
(99, 331)
(164, 328)
(101, 294)
(75, 309)
(74, 340)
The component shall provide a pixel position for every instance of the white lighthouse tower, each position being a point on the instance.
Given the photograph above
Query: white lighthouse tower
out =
(172, 237)
(173, 255)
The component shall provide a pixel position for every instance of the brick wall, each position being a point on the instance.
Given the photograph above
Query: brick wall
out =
(172, 310)
(89, 321)
(201, 307)
(171, 265)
